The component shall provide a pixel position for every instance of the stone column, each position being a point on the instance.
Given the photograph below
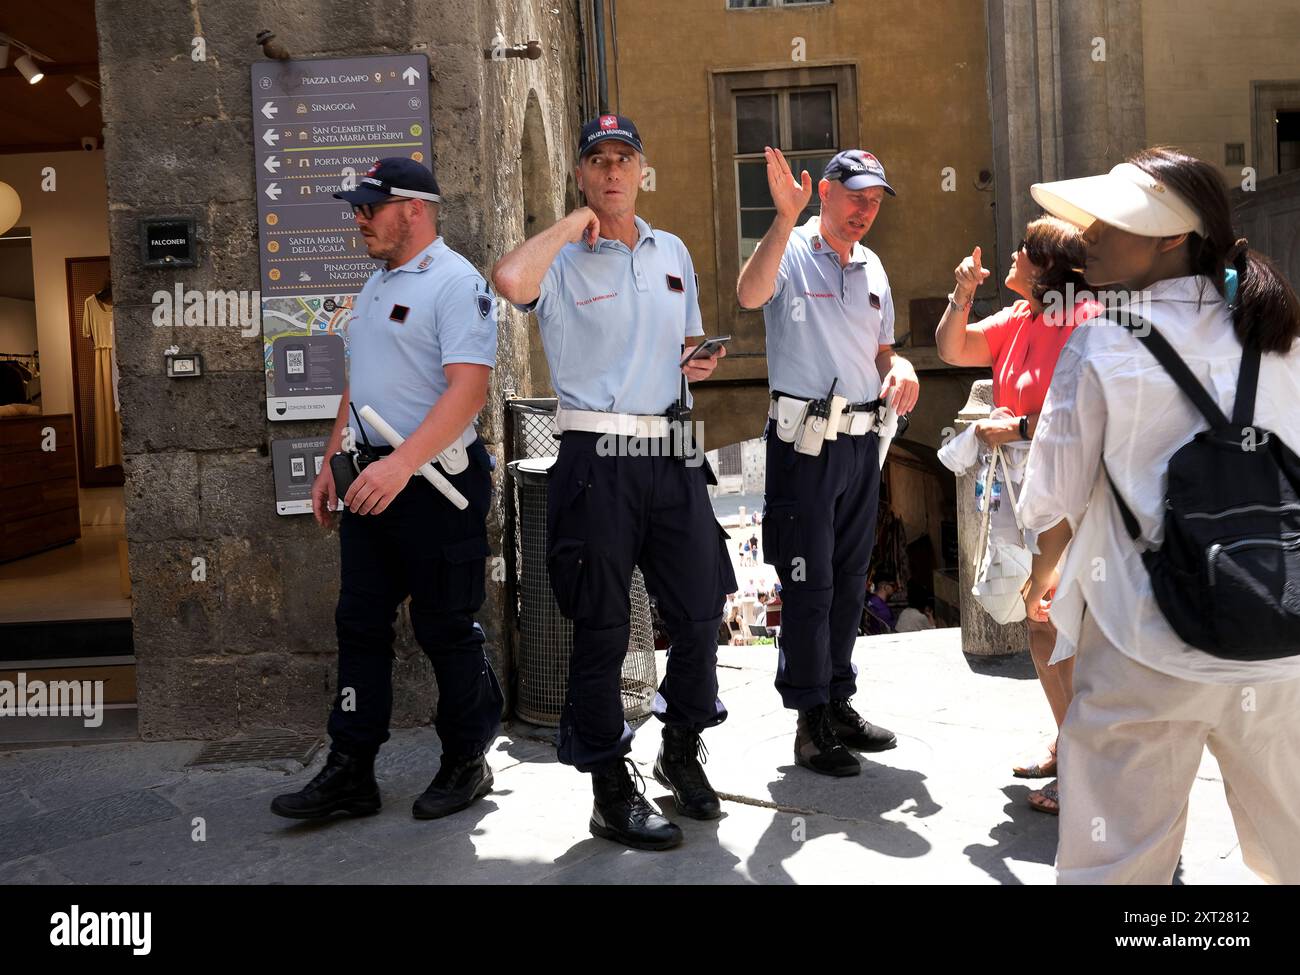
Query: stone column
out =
(1023, 106)
(1066, 96)
(1102, 106)
(233, 605)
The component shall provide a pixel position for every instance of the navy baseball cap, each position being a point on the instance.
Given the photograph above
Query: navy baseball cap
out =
(857, 169)
(602, 127)
(394, 176)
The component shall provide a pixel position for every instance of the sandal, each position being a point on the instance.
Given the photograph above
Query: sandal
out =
(1043, 770)
(1047, 799)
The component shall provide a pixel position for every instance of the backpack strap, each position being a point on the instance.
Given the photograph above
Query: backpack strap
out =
(1164, 353)
(1125, 513)
(1243, 409)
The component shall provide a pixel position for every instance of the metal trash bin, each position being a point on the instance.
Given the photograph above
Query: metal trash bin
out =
(546, 637)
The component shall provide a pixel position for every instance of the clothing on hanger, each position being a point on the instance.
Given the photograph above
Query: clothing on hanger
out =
(97, 325)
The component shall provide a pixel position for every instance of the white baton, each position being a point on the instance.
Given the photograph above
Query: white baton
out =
(427, 470)
(888, 430)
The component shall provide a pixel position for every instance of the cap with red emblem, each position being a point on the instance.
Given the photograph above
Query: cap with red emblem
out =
(604, 127)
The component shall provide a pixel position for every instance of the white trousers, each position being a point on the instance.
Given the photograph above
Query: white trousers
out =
(1128, 754)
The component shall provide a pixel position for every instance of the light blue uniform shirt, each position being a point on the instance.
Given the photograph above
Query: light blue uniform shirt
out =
(826, 321)
(614, 321)
(397, 357)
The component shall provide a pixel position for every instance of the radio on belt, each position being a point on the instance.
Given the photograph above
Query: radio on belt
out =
(812, 430)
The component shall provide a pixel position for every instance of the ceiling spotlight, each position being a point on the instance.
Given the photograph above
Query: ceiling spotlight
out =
(79, 94)
(28, 69)
(4, 55)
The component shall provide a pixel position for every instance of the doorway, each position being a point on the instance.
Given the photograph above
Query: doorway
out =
(65, 602)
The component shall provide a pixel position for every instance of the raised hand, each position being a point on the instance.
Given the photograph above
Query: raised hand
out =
(789, 195)
(970, 274)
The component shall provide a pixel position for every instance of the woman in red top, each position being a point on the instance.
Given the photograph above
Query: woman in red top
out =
(1021, 343)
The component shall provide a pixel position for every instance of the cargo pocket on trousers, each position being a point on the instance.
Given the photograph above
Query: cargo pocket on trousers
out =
(781, 534)
(566, 564)
(464, 565)
(567, 492)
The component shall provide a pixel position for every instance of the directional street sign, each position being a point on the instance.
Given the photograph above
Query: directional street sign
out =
(318, 124)
(317, 127)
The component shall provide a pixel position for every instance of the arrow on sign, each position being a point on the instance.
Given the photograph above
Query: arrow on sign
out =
(270, 137)
(273, 191)
(269, 110)
(411, 75)
(271, 164)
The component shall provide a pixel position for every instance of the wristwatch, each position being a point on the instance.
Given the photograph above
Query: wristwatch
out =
(958, 305)
(1024, 428)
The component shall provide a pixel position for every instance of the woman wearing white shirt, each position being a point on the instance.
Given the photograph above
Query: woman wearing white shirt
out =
(1146, 703)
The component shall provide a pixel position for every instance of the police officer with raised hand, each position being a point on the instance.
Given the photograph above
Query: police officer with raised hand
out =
(616, 301)
(832, 370)
(422, 345)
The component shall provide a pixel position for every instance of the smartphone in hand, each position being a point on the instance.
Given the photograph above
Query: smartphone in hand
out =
(707, 348)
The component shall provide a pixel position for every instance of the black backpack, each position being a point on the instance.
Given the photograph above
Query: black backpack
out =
(1227, 577)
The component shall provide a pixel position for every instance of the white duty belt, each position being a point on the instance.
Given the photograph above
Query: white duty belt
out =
(614, 424)
(787, 411)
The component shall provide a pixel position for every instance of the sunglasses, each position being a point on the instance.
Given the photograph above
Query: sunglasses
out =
(367, 210)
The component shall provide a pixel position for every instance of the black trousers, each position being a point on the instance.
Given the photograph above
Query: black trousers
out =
(819, 526)
(607, 512)
(421, 546)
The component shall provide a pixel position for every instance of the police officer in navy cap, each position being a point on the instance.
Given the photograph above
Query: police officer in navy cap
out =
(422, 345)
(832, 368)
(617, 303)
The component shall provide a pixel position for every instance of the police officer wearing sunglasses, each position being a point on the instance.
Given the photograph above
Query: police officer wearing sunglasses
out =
(422, 346)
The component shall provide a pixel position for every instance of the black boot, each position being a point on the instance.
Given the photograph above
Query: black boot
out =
(817, 748)
(856, 731)
(461, 780)
(680, 768)
(346, 784)
(622, 814)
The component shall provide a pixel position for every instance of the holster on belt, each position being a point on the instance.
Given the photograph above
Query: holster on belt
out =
(817, 428)
(681, 435)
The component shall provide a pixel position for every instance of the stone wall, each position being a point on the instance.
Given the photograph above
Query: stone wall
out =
(251, 645)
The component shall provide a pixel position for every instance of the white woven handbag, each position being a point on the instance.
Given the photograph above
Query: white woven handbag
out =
(1001, 565)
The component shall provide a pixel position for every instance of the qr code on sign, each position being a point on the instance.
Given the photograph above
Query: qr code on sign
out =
(294, 360)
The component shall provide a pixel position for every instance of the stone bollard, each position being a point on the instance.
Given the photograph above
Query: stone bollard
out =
(979, 634)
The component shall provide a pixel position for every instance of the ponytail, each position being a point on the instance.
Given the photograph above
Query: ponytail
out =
(1265, 310)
